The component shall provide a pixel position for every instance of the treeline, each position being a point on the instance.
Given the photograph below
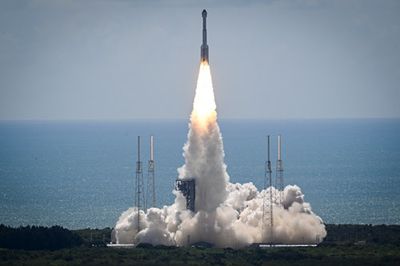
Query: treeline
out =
(357, 234)
(38, 238)
(57, 237)
(95, 237)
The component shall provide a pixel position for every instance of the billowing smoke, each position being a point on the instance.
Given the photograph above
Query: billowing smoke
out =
(226, 214)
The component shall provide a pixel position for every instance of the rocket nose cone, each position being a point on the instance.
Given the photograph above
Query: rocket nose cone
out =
(204, 13)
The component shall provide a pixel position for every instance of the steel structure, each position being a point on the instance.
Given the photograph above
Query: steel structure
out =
(268, 219)
(139, 193)
(279, 172)
(151, 187)
(188, 188)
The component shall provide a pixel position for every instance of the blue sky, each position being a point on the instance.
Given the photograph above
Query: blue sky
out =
(140, 59)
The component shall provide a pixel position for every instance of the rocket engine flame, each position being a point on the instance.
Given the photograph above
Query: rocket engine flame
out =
(204, 107)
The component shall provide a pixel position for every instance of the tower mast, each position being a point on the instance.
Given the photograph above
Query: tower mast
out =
(279, 172)
(151, 192)
(268, 221)
(139, 193)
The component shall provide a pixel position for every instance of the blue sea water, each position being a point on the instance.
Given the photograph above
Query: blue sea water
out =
(81, 174)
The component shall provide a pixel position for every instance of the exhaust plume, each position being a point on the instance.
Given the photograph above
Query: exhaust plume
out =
(226, 214)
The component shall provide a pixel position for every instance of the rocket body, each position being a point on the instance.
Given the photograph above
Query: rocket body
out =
(204, 45)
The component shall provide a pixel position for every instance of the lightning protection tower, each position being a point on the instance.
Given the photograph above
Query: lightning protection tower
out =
(268, 222)
(151, 192)
(139, 193)
(279, 172)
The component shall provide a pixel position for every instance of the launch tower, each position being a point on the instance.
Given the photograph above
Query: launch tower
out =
(279, 172)
(268, 222)
(151, 190)
(139, 193)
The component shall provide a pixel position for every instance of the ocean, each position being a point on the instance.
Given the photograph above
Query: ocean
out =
(80, 174)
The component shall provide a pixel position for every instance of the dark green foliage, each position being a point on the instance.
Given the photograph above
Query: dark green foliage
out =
(350, 234)
(37, 237)
(145, 245)
(344, 245)
(95, 237)
(329, 255)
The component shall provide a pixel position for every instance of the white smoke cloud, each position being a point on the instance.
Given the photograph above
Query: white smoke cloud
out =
(226, 214)
(237, 222)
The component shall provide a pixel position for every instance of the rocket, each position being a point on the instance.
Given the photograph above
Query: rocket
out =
(204, 46)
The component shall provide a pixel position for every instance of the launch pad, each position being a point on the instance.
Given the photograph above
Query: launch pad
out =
(204, 179)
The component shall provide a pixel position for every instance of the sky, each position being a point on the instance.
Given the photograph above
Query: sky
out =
(140, 59)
